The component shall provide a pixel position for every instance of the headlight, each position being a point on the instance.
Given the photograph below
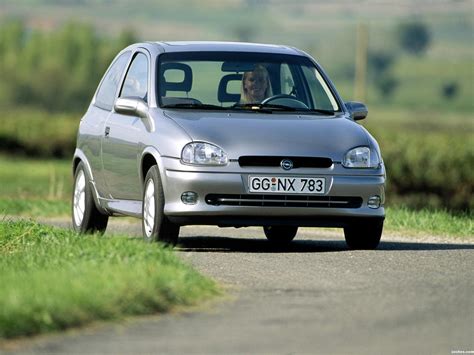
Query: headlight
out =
(200, 153)
(361, 157)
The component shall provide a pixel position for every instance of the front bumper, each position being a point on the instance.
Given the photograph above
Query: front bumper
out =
(233, 180)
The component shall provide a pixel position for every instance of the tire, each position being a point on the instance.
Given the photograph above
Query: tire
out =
(156, 227)
(364, 236)
(280, 234)
(86, 218)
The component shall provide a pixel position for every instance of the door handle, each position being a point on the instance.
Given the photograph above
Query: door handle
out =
(107, 132)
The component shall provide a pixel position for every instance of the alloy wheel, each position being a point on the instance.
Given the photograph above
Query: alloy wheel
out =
(149, 208)
(79, 198)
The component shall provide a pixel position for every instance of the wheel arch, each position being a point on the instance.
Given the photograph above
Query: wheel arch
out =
(80, 157)
(150, 156)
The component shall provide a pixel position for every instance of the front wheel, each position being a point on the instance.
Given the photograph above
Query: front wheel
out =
(86, 218)
(156, 226)
(364, 236)
(280, 234)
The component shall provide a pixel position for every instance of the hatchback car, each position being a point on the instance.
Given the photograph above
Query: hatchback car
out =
(227, 134)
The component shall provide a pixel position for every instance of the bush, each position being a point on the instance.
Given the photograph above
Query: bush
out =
(38, 133)
(431, 170)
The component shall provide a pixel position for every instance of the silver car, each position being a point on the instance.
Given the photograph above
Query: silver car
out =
(181, 133)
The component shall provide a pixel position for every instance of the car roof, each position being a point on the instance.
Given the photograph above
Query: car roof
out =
(211, 46)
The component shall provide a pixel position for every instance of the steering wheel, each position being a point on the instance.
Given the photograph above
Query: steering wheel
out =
(285, 100)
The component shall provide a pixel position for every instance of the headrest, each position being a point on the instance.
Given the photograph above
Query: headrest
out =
(184, 85)
(222, 93)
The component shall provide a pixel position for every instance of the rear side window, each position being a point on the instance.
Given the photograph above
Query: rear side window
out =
(106, 94)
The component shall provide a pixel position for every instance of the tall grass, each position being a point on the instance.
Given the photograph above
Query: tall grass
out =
(53, 279)
(429, 223)
(35, 187)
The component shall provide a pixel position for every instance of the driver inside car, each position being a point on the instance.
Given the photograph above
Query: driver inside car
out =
(256, 85)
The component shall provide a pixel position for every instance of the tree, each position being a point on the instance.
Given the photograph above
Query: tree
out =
(414, 37)
(12, 40)
(450, 90)
(380, 63)
(386, 84)
(56, 70)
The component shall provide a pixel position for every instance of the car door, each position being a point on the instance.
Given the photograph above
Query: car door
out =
(122, 136)
(93, 123)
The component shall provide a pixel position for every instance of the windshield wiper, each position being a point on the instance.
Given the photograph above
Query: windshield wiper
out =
(257, 107)
(264, 107)
(196, 105)
(274, 107)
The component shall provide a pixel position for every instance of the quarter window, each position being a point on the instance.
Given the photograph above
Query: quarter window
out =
(106, 94)
(136, 81)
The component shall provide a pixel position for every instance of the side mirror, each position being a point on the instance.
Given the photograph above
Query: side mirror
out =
(134, 106)
(357, 110)
(131, 106)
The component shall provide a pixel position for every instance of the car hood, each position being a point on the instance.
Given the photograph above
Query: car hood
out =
(252, 133)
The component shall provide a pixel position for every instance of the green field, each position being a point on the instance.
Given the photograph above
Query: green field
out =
(35, 187)
(53, 279)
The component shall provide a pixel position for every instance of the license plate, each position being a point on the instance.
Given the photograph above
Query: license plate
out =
(289, 185)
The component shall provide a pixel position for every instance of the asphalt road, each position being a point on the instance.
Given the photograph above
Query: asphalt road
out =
(411, 296)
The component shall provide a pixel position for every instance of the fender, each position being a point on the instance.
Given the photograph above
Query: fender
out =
(157, 156)
(80, 156)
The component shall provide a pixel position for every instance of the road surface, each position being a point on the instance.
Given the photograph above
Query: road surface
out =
(411, 296)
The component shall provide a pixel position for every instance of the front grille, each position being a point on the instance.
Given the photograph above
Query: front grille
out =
(283, 201)
(298, 162)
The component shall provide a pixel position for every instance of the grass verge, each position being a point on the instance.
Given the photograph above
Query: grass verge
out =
(54, 279)
(35, 208)
(427, 222)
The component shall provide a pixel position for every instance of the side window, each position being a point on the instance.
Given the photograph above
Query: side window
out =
(106, 94)
(136, 81)
(286, 80)
(321, 94)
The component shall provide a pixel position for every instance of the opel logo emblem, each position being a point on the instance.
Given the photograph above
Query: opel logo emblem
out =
(286, 164)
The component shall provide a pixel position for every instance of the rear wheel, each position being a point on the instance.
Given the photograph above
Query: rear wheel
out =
(86, 218)
(155, 225)
(364, 235)
(280, 234)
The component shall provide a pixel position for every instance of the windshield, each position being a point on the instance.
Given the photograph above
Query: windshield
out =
(242, 81)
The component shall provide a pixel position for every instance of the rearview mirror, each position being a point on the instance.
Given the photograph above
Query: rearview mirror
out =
(357, 110)
(131, 106)
(237, 67)
(134, 106)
